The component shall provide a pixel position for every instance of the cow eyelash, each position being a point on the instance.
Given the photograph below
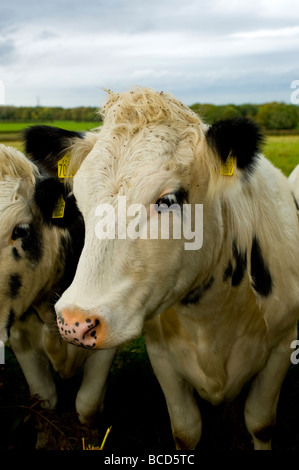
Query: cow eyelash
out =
(177, 197)
(20, 231)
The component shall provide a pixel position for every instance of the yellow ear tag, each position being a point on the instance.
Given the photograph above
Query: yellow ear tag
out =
(227, 168)
(58, 211)
(62, 167)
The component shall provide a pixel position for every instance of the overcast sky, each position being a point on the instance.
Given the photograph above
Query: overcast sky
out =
(64, 52)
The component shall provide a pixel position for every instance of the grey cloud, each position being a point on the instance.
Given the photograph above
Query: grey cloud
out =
(121, 43)
(135, 16)
(46, 35)
(7, 51)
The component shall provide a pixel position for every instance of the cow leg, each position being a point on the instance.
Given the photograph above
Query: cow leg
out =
(91, 395)
(185, 417)
(56, 350)
(261, 403)
(26, 343)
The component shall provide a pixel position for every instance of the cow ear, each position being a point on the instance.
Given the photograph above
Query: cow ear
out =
(237, 142)
(46, 145)
(57, 206)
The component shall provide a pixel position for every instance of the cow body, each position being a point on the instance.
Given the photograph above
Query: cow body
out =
(37, 263)
(214, 317)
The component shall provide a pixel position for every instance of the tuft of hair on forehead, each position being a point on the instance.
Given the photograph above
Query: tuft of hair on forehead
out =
(15, 165)
(143, 106)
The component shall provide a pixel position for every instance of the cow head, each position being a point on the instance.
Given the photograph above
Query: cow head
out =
(21, 247)
(152, 162)
(29, 241)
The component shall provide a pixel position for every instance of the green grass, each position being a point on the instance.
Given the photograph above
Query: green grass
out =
(15, 127)
(283, 151)
(12, 143)
(11, 132)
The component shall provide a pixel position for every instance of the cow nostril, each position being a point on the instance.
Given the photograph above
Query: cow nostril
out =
(91, 331)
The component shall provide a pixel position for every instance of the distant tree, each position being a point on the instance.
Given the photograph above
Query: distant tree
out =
(248, 110)
(277, 116)
(7, 112)
(271, 116)
(211, 112)
(229, 111)
(207, 112)
(42, 113)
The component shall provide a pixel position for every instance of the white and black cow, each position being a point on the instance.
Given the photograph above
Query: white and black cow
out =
(37, 263)
(215, 317)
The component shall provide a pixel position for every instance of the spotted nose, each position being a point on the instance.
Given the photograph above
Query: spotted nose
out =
(80, 327)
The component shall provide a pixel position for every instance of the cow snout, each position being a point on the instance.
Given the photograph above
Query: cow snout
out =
(81, 328)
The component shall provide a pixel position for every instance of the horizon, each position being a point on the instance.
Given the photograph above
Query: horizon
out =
(188, 104)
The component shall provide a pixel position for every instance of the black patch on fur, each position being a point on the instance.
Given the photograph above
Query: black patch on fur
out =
(296, 202)
(194, 296)
(16, 255)
(47, 193)
(240, 266)
(10, 321)
(69, 254)
(241, 137)
(20, 231)
(33, 244)
(30, 311)
(77, 234)
(70, 251)
(14, 285)
(71, 243)
(46, 144)
(182, 196)
(228, 272)
(261, 277)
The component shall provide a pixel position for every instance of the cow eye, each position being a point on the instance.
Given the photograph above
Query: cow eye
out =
(164, 202)
(178, 197)
(20, 231)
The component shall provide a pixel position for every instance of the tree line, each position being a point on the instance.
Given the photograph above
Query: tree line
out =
(271, 116)
(40, 113)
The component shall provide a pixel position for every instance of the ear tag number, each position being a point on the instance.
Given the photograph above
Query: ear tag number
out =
(228, 167)
(62, 167)
(58, 211)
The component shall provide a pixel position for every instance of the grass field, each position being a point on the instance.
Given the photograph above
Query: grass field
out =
(283, 151)
(135, 406)
(13, 127)
(11, 132)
